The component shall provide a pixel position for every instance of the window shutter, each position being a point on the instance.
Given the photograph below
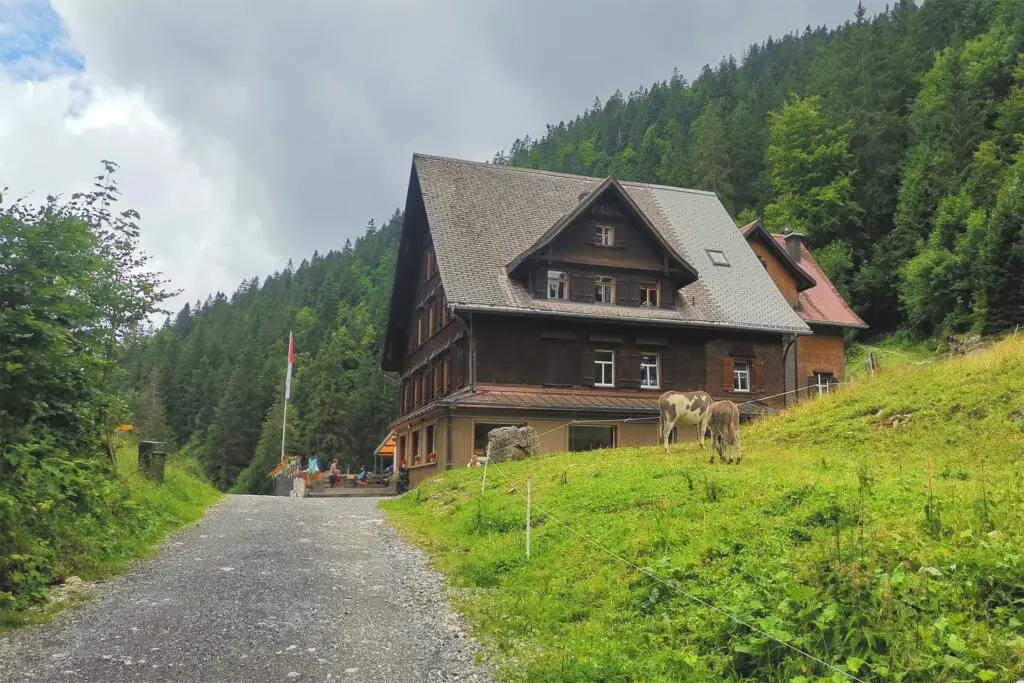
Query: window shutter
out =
(588, 367)
(578, 288)
(758, 376)
(459, 369)
(620, 236)
(727, 374)
(588, 289)
(627, 368)
(558, 360)
(667, 370)
(540, 283)
(666, 295)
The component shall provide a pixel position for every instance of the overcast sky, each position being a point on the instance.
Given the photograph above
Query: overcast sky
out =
(252, 131)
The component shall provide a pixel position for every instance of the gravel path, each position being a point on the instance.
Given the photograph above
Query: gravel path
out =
(263, 589)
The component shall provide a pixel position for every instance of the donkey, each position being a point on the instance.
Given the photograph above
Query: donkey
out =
(690, 408)
(724, 423)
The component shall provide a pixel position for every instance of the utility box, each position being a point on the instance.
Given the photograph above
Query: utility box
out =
(152, 457)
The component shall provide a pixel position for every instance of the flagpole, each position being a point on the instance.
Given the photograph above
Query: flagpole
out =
(287, 393)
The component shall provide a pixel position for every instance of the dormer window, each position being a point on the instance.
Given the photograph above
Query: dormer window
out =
(649, 294)
(605, 236)
(604, 290)
(558, 285)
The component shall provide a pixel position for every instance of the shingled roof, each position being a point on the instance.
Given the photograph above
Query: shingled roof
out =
(483, 216)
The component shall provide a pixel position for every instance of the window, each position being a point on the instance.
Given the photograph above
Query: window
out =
(415, 448)
(587, 437)
(480, 432)
(431, 438)
(423, 388)
(604, 289)
(402, 454)
(444, 310)
(825, 380)
(605, 236)
(558, 285)
(431, 317)
(446, 375)
(437, 380)
(718, 257)
(649, 374)
(741, 375)
(419, 326)
(649, 294)
(431, 264)
(604, 368)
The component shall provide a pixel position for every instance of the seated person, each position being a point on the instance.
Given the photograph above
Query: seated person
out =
(362, 475)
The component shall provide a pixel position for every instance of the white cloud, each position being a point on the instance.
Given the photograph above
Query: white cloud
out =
(187, 220)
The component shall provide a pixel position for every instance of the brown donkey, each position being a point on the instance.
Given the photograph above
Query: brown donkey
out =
(724, 423)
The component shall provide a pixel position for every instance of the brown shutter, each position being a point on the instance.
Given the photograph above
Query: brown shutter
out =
(627, 368)
(459, 369)
(727, 374)
(588, 289)
(620, 236)
(588, 367)
(667, 370)
(666, 295)
(540, 283)
(577, 288)
(758, 376)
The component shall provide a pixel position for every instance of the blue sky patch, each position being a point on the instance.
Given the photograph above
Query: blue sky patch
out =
(33, 42)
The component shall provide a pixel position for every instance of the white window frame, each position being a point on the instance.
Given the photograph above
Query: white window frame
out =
(741, 369)
(657, 370)
(599, 367)
(654, 288)
(604, 283)
(560, 278)
(605, 236)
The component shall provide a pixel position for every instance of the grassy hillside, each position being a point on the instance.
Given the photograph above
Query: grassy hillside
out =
(879, 529)
(139, 514)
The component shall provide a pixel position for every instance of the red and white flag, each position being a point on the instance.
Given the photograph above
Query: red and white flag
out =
(291, 360)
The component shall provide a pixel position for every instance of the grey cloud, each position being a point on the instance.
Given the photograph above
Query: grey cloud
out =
(321, 104)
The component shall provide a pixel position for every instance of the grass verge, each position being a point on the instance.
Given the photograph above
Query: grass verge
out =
(878, 529)
(107, 541)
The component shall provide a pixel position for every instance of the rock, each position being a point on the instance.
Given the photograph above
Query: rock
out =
(294, 674)
(291, 647)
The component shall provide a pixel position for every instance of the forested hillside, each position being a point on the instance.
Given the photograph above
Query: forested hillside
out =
(214, 374)
(893, 142)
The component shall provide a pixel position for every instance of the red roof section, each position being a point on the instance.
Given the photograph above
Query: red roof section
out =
(821, 303)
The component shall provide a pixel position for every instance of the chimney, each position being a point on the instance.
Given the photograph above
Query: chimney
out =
(793, 242)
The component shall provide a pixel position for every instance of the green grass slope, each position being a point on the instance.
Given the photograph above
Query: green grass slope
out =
(878, 529)
(121, 520)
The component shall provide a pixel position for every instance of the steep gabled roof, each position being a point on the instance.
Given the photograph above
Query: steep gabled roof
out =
(822, 304)
(482, 217)
(610, 185)
(756, 230)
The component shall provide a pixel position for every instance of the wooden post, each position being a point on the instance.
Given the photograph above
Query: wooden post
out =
(484, 482)
(528, 517)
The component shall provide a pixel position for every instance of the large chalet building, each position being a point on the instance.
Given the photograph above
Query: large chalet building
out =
(570, 304)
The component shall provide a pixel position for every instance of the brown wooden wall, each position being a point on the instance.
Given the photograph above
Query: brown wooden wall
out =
(539, 352)
(634, 247)
(782, 277)
(824, 351)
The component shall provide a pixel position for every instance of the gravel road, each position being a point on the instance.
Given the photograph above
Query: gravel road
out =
(262, 589)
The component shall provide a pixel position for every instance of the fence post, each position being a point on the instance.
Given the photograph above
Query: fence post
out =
(483, 483)
(820, 390)
(528, 517)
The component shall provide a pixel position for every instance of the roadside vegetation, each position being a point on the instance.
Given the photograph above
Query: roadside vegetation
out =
(879, 529)
(74, 289)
